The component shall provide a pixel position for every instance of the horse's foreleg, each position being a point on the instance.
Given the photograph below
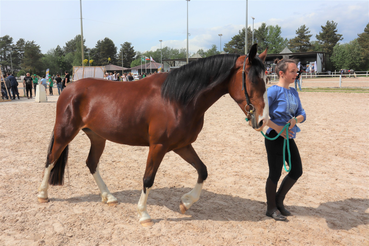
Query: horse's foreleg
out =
(156, 154)
(189, 155)
(96, 150)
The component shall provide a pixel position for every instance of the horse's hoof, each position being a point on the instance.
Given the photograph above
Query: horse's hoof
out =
(43, 200)
(183, 208)
(147, 223)
(113, 204)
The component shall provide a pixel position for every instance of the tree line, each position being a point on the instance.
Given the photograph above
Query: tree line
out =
(26, 56)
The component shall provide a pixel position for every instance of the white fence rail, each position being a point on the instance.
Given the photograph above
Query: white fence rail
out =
(358, 77)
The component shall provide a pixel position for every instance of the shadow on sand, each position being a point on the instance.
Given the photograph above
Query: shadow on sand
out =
(339, 215)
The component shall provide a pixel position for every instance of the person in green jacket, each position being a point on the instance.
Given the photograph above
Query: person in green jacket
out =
(51, 84)
(35, 82)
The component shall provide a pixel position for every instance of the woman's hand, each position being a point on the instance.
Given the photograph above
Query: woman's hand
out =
(292, 122)
(278, 129)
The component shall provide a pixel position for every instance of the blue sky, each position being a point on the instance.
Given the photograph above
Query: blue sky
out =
(144, 23)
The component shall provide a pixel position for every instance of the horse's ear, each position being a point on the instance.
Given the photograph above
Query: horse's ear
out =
(263, 55)
(252, 53)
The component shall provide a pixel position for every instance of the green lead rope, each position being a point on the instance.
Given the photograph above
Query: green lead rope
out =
(285, 128)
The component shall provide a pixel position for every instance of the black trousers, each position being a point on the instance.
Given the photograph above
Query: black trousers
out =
(29, 89)
(15, 91)
(274, 150)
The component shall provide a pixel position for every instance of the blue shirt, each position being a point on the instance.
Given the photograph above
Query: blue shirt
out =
(43, 81)
(284, 104)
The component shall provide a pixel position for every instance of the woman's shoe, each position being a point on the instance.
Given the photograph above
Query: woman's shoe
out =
(276, 215)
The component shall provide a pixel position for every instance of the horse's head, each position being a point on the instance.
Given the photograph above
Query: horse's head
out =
(253, 100)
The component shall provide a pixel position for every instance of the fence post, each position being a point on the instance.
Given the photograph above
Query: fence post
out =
(340, 80)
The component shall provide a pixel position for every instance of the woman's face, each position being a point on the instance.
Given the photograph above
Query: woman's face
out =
(291, 72)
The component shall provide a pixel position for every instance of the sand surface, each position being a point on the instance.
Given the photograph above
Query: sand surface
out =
(330, 202)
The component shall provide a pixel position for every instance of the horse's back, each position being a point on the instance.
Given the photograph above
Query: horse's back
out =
(118, 111)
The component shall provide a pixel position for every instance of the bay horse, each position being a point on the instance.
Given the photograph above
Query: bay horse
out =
(164, 112)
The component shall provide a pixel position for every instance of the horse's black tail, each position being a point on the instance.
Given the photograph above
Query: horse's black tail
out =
(57, 173)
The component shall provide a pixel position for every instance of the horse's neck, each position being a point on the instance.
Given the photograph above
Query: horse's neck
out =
(208, 98)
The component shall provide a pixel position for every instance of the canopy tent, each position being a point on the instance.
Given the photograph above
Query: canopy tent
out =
(112, 67)
(154, 66)
(80, 72)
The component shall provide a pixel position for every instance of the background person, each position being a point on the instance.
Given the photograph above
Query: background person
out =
(284, 107)
(66, 80)
(44, 82)
(14, 85)
(35, 83)
(27, 82)
(59, 84)
(51, 84)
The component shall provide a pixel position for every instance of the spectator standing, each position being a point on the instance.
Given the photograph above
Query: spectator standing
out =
(14, 85)
(4, 93)
(9, 88)
(66, 80)
(44, 82)
(27, 82)
(51, 85)
(130, 77)
(35, 83)
(124, 77)
(59, 84)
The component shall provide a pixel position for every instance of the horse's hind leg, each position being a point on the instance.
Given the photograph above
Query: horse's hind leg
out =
(189, 155)
(96, 150)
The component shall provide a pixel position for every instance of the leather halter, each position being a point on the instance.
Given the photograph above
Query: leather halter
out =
(251, 110)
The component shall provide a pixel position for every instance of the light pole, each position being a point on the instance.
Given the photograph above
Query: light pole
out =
(187, 33)
(161, 51)
(246, 27)
(252, 30)
(82, 50)
(220, 42)
(11, 61)
(88, 57)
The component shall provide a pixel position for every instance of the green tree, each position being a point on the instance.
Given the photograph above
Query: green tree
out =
(32, 60)
(6, 46)
(347, 56)
(19, 54)
(274, 40)
(301, 43)
(129, 54)
(237, 43)
(363, 41)
(51, 61)
(212, 51)
(73, 47)
(328, 37)
(261, 37)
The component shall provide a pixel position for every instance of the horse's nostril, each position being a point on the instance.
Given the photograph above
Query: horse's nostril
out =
(261, 123)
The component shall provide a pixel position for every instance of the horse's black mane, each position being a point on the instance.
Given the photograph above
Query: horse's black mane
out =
(185, 83)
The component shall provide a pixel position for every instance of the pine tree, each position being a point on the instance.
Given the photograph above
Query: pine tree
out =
(301, 43)
(328, 37)
(363, 41)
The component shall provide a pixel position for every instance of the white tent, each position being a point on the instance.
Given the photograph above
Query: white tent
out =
(80, 72)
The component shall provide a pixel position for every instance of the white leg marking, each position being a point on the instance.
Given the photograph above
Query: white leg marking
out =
(106, 196)
(266, 107)
(193, 196)
(142, 208)
(42, 190)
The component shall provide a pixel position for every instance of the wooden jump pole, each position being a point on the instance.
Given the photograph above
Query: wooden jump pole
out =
(6, 88)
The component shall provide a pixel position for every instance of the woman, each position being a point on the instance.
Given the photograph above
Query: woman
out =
(284, 107)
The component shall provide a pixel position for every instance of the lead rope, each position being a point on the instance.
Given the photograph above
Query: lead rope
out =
(285, 142)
